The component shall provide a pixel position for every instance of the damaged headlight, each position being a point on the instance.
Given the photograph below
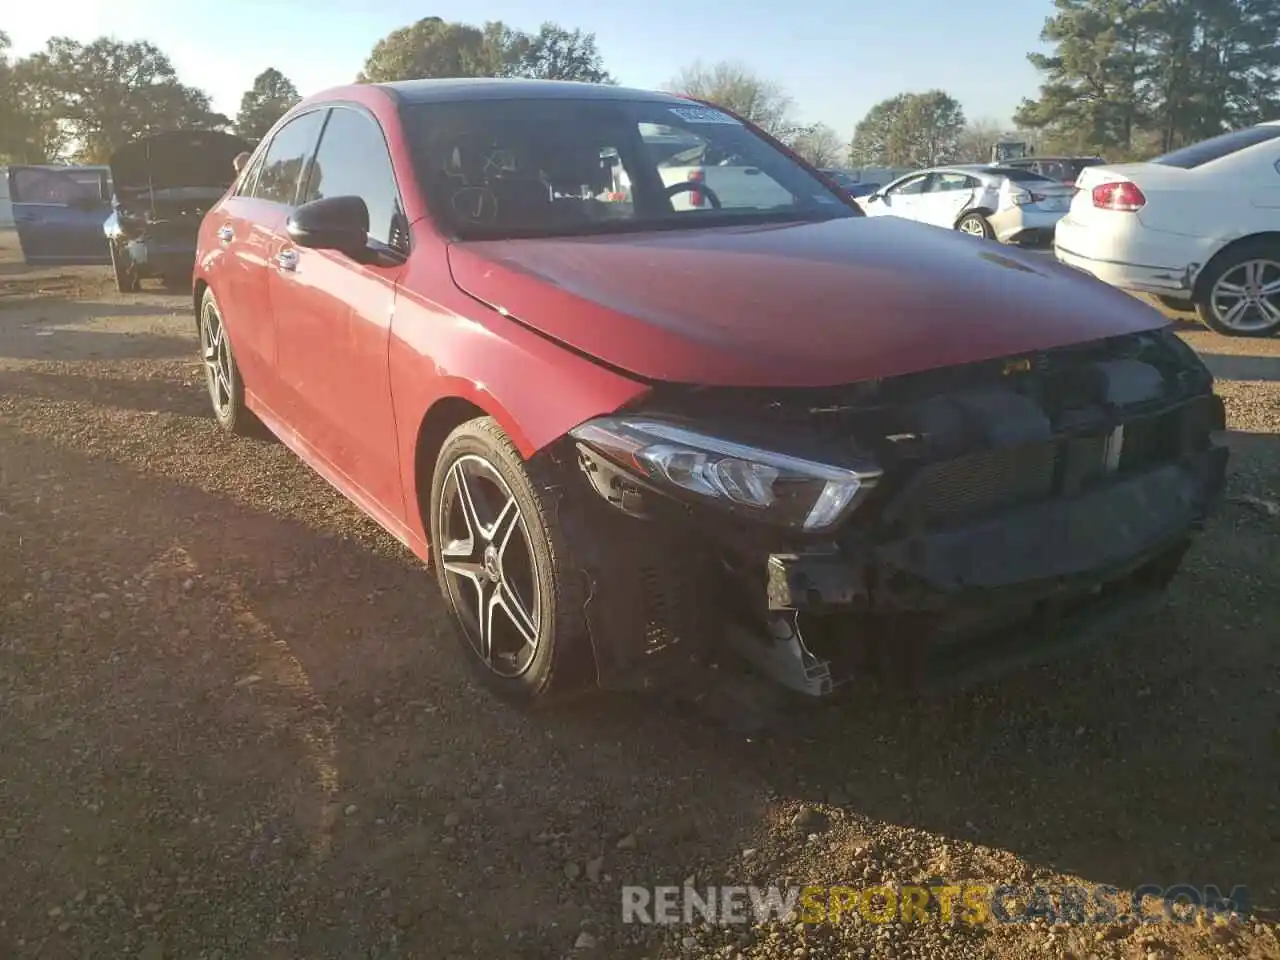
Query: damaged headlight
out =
(783, 489)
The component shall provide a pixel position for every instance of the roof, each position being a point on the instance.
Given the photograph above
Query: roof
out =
(494, 88)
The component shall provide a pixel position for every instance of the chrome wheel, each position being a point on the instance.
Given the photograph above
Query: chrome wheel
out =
(1246, 298)
(217, 359)
(488, 566)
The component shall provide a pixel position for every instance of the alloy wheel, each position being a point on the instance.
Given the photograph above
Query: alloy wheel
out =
(488, 564)
(217, 359)
(1246, 298)
(973, 227)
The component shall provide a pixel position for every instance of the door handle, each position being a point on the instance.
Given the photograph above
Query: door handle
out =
(225, 233)
(287, 259)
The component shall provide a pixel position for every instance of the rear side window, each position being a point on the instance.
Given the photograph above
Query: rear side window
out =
(285, 159)
(1215, 148)
(353, 162)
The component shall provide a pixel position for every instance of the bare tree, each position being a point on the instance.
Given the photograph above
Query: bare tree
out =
(977, 138)
(820, 145)
(736, 87)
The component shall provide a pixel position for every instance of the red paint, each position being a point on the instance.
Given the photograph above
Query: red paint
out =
(345, 362)
(800, 305)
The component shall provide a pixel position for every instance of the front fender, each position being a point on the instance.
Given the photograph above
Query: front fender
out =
(457, 348)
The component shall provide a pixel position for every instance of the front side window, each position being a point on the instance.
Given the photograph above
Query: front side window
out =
(352, 161)
(558, 167)
(283, 164)
(909, 188)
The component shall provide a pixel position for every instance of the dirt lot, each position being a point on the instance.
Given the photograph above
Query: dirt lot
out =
(234, 724)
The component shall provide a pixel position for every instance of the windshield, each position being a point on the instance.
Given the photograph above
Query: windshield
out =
(495, 169)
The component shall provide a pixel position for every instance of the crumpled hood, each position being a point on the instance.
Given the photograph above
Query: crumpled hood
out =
(178, 158)
(796, 305)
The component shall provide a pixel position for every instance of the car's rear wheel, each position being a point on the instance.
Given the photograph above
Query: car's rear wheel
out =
(976, 225)
(126, 272)
(1239, 296)
(516, 596)
(222, 373)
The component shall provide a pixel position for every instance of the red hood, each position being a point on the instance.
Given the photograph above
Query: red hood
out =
(799, 305)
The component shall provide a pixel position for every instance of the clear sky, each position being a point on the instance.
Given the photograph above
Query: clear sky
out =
(835, 57)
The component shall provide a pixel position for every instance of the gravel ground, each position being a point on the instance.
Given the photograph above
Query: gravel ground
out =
(234, 724)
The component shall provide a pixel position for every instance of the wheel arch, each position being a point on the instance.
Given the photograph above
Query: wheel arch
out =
(1198, 286)
(197, 297)
(440, 420)
(982, 211)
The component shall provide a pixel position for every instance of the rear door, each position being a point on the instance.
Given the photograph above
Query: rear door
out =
(249, 224)
(333, 315)
(947, 195)
(59, 214)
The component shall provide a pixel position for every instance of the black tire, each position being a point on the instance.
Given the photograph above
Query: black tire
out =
(1209, 313)
(126, 273)
(975, 224)
(225, 386)
(561, 662)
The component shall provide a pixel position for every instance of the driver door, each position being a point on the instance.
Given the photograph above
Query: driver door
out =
(59, 213)
(901, 199)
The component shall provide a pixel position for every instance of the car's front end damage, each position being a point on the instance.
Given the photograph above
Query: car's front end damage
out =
(916, 528)
(164, 185)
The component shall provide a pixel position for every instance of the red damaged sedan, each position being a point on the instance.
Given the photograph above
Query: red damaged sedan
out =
(638, 383)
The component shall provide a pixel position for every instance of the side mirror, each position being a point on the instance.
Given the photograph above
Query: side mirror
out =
(331, 223)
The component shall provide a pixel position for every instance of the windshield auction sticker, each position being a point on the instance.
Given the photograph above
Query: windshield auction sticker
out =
(704, 115)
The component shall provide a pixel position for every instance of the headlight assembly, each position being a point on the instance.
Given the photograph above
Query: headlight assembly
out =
(777, 487)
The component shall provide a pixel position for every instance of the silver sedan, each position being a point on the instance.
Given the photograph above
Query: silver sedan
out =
(998, 203)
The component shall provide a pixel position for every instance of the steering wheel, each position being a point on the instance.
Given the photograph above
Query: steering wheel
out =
(683, 185)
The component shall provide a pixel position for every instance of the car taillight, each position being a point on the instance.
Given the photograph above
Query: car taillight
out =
(1121, 195)
(695, 196)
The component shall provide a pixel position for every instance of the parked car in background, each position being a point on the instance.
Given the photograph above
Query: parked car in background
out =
(995, 202)
(164, 184)
(1063, 169)
(59, 211)
(851, 184)
(1198, 227)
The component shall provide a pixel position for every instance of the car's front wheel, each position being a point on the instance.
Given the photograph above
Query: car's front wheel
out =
(1239, 296)
(222, 373)
(505, 569)
(976, 225)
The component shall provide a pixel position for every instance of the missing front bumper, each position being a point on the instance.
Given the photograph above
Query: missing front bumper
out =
(990, 595)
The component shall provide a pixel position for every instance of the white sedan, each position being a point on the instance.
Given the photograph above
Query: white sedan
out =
(999, 203)
(1198, 227)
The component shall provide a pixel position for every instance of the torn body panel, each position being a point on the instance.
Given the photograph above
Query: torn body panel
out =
(1029, 495)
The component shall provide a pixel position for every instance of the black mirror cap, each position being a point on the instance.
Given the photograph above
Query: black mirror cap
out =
(331, 223)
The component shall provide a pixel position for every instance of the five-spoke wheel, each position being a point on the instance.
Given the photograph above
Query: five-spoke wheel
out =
(508, 574)
(488, 566)
(221, 373)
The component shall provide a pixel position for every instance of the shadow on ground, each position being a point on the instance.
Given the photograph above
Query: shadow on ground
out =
(303, 694)
(1230, 366)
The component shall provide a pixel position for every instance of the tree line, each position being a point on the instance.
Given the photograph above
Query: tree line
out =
(82, 101)
(1125, 78)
